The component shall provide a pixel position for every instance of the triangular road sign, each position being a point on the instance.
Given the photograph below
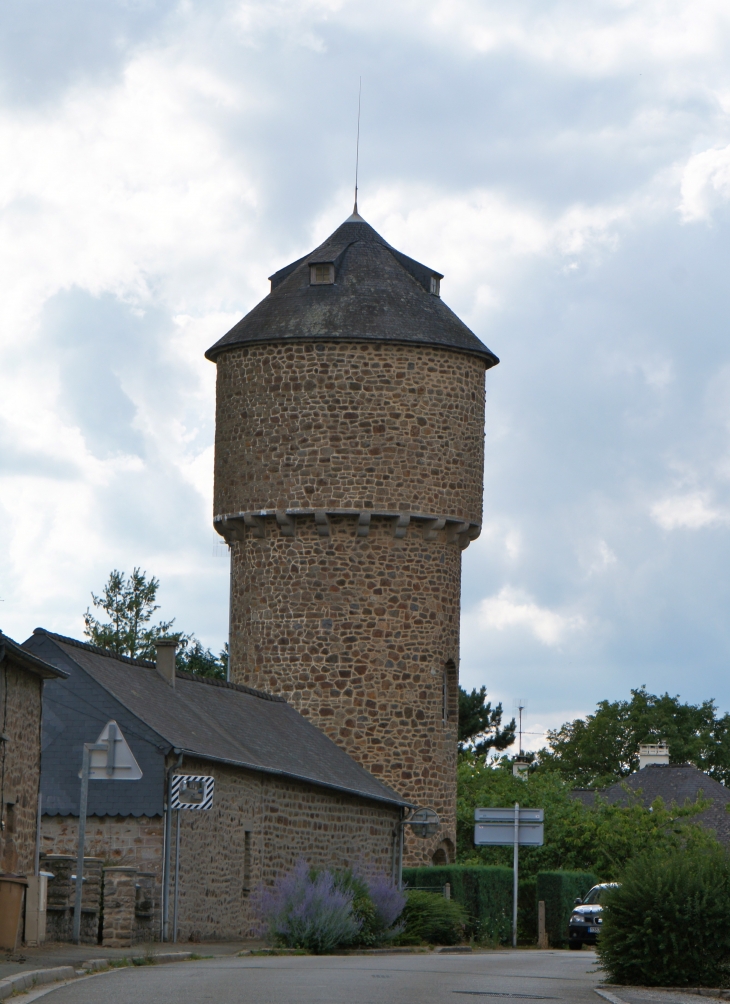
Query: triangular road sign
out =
(116, 762)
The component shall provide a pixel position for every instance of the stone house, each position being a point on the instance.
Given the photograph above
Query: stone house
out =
(22, 677)
(283, 792)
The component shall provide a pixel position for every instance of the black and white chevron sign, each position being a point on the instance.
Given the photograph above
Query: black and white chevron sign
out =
(191, 791)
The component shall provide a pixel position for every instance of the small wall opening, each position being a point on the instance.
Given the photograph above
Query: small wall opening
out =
(450, 696)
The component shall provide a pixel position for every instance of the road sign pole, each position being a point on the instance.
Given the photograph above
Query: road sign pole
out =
(515, 874)
(177, 878)
(83, 801)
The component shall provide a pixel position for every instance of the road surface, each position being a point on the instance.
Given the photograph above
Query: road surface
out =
(499, 976)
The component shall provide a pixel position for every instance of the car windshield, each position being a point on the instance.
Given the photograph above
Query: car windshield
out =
(596, 894)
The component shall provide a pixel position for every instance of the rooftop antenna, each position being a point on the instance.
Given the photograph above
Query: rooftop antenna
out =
(520, 706)
(357, 146)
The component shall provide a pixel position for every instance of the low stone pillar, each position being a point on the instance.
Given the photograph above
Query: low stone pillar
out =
(144, 908)
(62, 896)
(120, 895)
(59, 903)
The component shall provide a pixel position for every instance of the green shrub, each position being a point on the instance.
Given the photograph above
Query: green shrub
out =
(668, 924)
(560, 890)
(429, 917)
(484, 892)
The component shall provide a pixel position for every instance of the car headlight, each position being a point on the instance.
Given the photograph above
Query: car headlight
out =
(576, 918)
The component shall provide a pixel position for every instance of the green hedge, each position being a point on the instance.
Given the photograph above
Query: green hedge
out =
(484, 892)
(559, 890)
(668, 923)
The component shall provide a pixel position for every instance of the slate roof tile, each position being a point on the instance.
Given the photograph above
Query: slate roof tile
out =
(224, 722)
(379, 295)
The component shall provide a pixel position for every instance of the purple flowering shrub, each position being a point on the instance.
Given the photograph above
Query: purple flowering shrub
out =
(321, 910)
(387, 899)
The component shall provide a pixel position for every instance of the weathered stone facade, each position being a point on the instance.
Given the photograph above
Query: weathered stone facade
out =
(135, 842)
(348, 477)
(20, 721)
(260, 825)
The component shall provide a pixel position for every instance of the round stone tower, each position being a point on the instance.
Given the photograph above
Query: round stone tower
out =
(348, 479)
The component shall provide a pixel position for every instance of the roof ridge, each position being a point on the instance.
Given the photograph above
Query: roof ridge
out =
(97, 649)
(215, 681)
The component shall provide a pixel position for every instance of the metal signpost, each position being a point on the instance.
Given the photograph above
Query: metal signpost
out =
(187, 791)
(108, 759)
(502, 827)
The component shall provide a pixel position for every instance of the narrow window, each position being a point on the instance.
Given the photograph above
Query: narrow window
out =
(247, 862)
(450, 694)
(320, 275)
(435, 285)
(10, 817)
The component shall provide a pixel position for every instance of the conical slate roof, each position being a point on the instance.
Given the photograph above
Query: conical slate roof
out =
(379, 295)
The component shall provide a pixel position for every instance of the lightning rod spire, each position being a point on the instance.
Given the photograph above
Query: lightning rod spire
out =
(357, 146)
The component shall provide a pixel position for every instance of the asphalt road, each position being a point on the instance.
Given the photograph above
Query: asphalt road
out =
(500, 976)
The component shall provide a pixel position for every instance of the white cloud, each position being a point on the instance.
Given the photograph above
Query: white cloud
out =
(705, 183)
(512, 608)
(691, 512)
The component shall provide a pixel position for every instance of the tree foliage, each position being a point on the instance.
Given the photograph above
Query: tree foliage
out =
(600, 839)
(604, 746)
(129, 603)
(194, 657)
(480, 725)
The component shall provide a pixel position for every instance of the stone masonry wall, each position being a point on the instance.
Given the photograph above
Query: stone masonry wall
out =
(20, 720)
(355, 632)
(221, 868)
(353, 426)
(127, 841)
(354, 618)
(259, 827)
(119, 902)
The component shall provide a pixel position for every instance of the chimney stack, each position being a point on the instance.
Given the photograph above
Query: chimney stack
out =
(650, 753)
(166, 652)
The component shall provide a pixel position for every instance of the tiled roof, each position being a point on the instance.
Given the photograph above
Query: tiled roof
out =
(379, 295)
(674, 783)
(222, 722)
(10, 649)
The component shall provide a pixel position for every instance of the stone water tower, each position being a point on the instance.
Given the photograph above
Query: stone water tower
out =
(348, 480)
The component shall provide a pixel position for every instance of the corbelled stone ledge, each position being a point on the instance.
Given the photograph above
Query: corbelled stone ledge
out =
(236, 526)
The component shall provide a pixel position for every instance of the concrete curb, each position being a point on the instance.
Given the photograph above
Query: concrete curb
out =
(716, 992)
(21, 982)
(36, 977)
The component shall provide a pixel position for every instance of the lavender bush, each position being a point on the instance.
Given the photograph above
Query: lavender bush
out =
(387, 899)
(320, 911)
(306, 910)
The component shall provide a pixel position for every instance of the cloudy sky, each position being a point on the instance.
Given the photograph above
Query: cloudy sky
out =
(566, 165)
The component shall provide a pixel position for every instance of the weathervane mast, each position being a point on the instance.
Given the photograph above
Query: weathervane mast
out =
(357, 146)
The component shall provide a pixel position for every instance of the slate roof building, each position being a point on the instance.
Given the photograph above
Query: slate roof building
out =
(22, 676)
(675, 783)
(283, 790)
(348, 479)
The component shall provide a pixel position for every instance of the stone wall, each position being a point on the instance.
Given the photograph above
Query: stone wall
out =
(124, 841)
(120, 897)
(353, 426)
(62, 897)
(353, 615)
(20, 721)
(356, 633)
(260, 826)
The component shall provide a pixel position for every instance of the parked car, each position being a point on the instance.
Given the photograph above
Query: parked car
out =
(584, 925)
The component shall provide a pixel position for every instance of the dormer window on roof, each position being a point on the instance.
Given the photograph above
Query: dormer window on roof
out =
(320, 275)
(435, 285)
